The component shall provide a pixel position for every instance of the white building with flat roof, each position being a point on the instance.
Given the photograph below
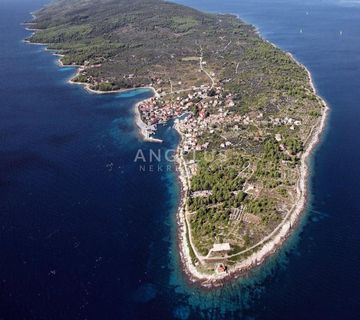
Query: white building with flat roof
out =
(220, 247)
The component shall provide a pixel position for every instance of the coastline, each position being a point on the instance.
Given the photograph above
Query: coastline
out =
(268, 245)
(271, 243)
(141, 125)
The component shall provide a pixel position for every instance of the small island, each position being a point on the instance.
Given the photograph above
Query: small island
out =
(251, 117)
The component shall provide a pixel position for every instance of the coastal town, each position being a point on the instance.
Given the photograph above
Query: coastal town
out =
(247, 113)
(170, 160)
(200, 115)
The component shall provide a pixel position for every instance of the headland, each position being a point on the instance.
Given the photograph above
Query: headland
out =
(253, 117)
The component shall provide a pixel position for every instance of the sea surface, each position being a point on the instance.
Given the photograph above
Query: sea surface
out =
(87, 232)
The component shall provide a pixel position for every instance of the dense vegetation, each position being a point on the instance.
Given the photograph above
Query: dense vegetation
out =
(144, 39)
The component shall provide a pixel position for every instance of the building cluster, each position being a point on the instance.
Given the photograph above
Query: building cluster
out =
(286, 121)
(204, 110)
(154, 111)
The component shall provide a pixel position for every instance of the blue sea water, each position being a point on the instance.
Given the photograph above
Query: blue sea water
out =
(86, 234)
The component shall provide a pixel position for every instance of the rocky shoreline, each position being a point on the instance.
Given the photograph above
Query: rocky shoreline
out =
(260, 251)
(275, 240)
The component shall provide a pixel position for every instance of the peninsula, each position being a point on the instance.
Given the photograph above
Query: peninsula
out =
(252, 117)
